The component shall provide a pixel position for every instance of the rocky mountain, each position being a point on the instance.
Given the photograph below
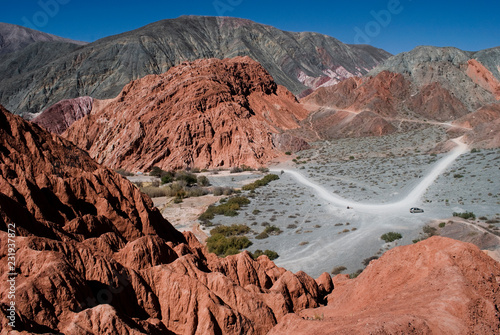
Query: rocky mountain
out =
(93, 256)
(14, 38)
(101, 69)
(207, 113)
(426, 84)
(438, 286)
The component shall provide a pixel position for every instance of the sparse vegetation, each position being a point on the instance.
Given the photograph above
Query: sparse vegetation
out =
(272, 255)
(124, 172)
(228, 240)
(261, 182)
(442, 224)
(367, 261)
(391, 236)
(465, 215)
(338, 270)
(229, 208)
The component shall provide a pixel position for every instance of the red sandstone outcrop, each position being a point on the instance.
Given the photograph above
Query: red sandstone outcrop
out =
(63, 114)
(485, 124)
(483, 77)
(93, 256)
(208, 113)
(438, 286)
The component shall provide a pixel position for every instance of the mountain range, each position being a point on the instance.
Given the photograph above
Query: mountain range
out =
(298, 61)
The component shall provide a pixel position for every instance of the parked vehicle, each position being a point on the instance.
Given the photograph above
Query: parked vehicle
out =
(416, 210)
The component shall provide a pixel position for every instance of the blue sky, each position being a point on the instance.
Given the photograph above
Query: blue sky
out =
(394, 25)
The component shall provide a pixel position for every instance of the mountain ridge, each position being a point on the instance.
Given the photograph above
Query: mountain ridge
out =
(101, 69)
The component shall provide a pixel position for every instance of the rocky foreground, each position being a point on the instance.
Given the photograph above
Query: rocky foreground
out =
(95, 257)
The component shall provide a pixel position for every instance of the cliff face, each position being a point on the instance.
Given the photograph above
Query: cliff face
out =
(438, 286)
(101, 69)
(208, 113)
(94, 256)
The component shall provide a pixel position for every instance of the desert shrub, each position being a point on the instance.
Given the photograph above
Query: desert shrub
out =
(255, 211)
(338, 270)
(229, 208)
(430, 231)
(222, 191)
(167, 178)
(272, 255)
(263, 169)
(367, 261)
(189, 178)
(155, 192)
(474, 150)
(288, 153)
(223, 246)
(291, 226)
(262, 236)
(203, 181)
(233, 230)
(124, 172)
(236, 169)
(355, 274)
(195, 191)
(391, 236)
(272, 230)
(442, 224)
(261, 182)
(465, 215)
(457, 175)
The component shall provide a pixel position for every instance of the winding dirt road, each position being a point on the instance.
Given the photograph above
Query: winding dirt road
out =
(412, 198)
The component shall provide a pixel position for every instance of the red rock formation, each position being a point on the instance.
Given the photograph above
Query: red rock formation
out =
(93, 256)
(485, 124)
(483, 77)
(438, 286)
(208, 113)
(386, 96)
(63, 114)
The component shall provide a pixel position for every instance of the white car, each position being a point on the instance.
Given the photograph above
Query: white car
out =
(416, 210)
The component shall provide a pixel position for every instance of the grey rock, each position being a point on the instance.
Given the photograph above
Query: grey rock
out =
(14, 38)
(102, 68)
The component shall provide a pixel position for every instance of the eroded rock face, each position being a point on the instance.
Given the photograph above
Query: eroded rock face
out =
(208, 113)
(484, 125)
(95, 257)
(63, 114)
(438, 286)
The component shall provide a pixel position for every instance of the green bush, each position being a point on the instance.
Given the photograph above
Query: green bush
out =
(229, 208)
(167, 178)
(442, 224)
(272, 255)
(391, 236)
(338, 270)
(465, 215)
(272, 230)
(233, 230)
(261, 182)
(203, 181)
(262, 236)
(223, 246)
(288, 153)
(189, 178)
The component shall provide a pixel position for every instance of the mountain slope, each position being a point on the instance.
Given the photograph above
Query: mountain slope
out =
(437, 286)
(101, 69)
(14, 38)
(204, 114)
(425, 84)
(94, 256)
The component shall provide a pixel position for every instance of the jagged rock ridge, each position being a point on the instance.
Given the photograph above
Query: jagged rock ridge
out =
(204, 114)
(95, 257)
(101, 69)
